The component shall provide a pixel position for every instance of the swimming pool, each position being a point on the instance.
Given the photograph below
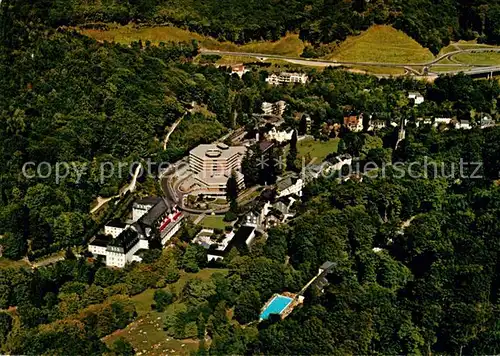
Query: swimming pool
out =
(276, 306)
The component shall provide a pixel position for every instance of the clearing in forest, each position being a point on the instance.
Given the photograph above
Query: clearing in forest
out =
(290, 45)
(382, 43)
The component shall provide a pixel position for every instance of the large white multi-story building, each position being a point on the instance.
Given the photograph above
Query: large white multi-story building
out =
(114, 228)
(277, 108)
(152, 218)
(213, 164)
(286, 77)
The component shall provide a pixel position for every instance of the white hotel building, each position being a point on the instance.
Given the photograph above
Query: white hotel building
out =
(152, 218)
(212, 165)
(286, 77)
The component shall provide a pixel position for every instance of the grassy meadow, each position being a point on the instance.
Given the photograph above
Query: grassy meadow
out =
(289, 45)
(478, 58)
(381, 43)
(146, 334)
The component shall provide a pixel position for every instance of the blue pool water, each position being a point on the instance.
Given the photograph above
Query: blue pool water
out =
(277, 305)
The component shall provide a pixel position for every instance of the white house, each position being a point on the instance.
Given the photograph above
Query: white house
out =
(416, 96)
(289, 186)
(114, 228)
(327, 167)
(277, 108)
(120, 250)
(217, 250)
(376, 124)
(339, 161)
(119, 244)
(142, 206)
(486, 121)
(286, 77)
(441, 120)
(279, 136)
(238, 69)
(463, 125)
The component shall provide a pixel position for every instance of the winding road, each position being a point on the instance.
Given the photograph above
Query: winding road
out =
(483, 68)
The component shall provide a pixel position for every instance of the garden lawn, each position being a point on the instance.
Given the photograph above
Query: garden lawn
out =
(316, 150)
(214, 222)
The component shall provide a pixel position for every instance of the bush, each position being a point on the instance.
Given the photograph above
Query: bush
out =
(172, 276)
(122, 347)
(151, 256)
(230, 216)
(162, 298)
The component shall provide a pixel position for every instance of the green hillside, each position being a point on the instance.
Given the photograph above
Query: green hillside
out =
(433, 24)
(381, 44)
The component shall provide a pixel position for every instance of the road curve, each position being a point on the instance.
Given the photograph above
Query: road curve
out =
(324, 62)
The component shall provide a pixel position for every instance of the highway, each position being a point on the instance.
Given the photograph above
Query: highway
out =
(482, 68)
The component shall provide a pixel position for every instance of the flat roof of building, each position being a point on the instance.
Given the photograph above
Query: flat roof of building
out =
(219, 150)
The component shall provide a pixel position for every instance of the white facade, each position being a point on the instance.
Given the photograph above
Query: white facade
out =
(341, 161)
(376, 125)
(139, 210)
(172, 228)
(120, 250)
(238, 69)
(417, 97)
(464, 125)
(279, 136)
(97, 250)
(441, 120)
(295, 188)
(257, 219)
(286, 77)
(277, 108)
(115, 257)
(113, 230)
(486, 121)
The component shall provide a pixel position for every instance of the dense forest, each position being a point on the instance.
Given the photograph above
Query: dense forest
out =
(432, 23)
(430, 287)
(417, 271)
